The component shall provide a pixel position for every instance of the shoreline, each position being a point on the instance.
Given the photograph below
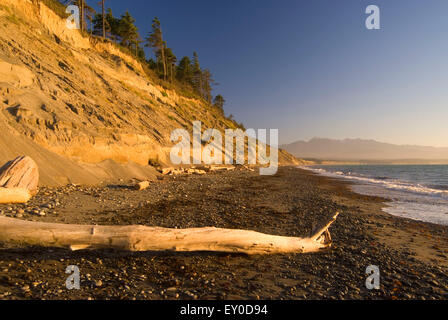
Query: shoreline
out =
(411, 255)
(414, 200)
(374, 208)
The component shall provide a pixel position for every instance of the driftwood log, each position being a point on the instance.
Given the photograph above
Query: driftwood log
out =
(18, 180)
(22, 172)
(142, 185)
(14, 195)
(141, 238)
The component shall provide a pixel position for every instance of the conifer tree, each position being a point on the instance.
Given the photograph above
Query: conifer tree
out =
(197, 74)
(128, 31)
(207, 83)
(171, 60)
(185, 71)
(219, 102)
(155, 41)
(111, 25)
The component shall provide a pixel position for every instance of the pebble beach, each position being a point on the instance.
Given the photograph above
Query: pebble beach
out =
(412, 256)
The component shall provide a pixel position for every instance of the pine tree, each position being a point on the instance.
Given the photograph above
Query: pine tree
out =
(89, 14)
(219, 102)
(185, 71)
(111, 25)
(97, 25)
(197, 74)
(207, 83)
(128, 31)
(140, 52)
(155, 41)
(171, 60)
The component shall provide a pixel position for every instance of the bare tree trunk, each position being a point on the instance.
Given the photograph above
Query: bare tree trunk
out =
(141, 238)
(104, 18)
(163, 55)
(82, 15)
(164, 61)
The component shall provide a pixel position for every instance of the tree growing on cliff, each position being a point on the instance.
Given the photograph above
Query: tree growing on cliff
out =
(128, 31)
(171, 60)
(197, 74)
(188, 73)
(111, 25)
(184, 72)
(155, 41)
(98, 25)
(207, 82)
(219, 102)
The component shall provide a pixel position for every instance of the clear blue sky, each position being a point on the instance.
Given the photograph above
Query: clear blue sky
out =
(311, 68)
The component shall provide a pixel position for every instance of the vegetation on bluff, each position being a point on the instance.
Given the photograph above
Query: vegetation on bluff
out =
(184, 75)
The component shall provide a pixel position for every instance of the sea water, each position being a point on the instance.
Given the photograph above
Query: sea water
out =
(418, 192)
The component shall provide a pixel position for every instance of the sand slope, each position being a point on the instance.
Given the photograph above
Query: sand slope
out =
(57, 170)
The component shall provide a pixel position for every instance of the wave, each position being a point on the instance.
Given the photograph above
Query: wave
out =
(381, 178)
(384, 182)
(415, 201)
(440, 187)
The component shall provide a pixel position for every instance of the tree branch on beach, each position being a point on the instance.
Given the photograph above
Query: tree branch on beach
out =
(142, 238)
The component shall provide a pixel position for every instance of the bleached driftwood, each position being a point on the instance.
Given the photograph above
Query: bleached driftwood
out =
(22, 172)
(142, 185)
(14, 195)
(222, 168)
(141, 238)
(172, 171)
(179, 171)
(195, 171)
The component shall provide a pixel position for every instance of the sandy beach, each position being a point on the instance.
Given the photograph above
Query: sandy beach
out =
(412, 256)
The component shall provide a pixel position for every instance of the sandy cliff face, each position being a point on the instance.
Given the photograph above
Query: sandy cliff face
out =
(82, 101)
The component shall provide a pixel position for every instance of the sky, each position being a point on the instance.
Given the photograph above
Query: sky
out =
(312, 68)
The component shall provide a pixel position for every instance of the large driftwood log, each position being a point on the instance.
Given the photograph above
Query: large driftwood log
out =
(14, 195)
(22, 172)
(141, 238)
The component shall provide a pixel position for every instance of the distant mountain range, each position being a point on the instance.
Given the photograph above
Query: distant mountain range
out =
(358, 150)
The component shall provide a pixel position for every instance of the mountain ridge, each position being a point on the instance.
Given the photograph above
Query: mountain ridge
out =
(362, 149)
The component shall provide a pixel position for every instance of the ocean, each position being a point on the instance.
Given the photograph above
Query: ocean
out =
(417, 192)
